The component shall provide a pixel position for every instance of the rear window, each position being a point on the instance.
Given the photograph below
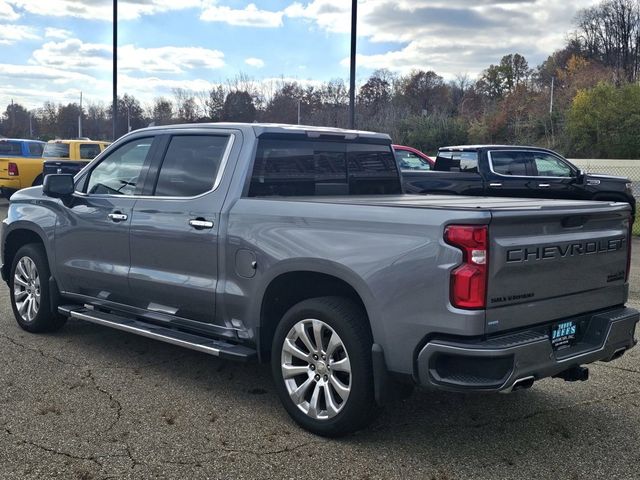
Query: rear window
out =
(450, 161)
(89, 151)
(56, 150)
(311, 168)
(36, 149)
(10, 148)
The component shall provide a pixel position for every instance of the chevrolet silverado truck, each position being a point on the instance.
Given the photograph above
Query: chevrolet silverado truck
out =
(20, 164)
(294, 245)
(509, 171)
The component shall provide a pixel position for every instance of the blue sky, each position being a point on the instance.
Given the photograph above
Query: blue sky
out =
(53, 49)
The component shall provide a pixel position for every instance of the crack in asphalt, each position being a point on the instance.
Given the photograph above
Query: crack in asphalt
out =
(38, 351)
(114, 402)
(623, 369)
(54, 451)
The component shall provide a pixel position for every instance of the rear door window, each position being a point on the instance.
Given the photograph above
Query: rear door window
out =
(511, 163)
(36, 149)
(191, 165)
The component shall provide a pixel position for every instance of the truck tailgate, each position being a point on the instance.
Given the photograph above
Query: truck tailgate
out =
(555, 263)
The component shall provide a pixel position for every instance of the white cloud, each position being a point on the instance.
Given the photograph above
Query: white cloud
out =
(75, 55)
(448, 36)
(255, 62)
(11, 33)
(7, 13)
(58, 33)
(101, 9)
(250, 16)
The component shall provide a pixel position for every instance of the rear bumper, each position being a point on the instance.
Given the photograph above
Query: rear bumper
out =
(495, 364)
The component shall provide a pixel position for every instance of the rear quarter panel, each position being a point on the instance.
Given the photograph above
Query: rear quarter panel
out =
(394, 258)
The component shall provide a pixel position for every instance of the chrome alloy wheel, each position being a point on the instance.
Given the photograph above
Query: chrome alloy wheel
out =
(316, 369)
(26, 289)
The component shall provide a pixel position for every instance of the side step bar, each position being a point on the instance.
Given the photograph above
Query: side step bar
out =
(217, 348)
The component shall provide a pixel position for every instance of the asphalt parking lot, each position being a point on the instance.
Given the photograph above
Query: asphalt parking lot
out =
(93, 403)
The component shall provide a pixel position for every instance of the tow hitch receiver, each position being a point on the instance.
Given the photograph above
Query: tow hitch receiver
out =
(574, 374)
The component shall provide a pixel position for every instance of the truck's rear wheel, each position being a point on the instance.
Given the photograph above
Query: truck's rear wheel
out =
(29, 290)
(321, 362)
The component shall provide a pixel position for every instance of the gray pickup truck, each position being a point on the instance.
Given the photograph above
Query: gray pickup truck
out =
(295, 245)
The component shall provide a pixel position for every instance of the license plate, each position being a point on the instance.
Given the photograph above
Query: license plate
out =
(563, 334)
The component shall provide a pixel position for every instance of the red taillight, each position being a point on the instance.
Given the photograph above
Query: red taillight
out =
(13, 170)
(469, 280)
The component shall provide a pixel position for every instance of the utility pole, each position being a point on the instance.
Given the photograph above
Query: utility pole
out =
(30, 124)
(115, 69)
(299, 101)
(80, 118)
(553, 81)
(352, 87)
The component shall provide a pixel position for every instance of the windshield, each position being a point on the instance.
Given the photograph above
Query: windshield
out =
(56, 150)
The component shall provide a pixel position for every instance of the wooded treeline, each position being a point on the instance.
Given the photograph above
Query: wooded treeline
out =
(584, 100)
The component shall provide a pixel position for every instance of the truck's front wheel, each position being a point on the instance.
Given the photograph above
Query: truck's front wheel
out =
(321, 362)
(29, 290)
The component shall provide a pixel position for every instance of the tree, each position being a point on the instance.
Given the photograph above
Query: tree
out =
(239, 107)
(376, 92)
(67, 122)
(162, 111)
(610, 33)
(604, 122)
(215, 103)
(283, 106)
(15, 121)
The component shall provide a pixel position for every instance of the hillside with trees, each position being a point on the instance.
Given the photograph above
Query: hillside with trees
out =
(584, 100)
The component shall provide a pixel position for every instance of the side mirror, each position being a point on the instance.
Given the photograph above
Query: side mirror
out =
(580, 177)
(58, 186)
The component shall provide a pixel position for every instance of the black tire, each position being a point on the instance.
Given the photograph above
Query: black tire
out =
(349, 322)
(38, 181)
(45, 320)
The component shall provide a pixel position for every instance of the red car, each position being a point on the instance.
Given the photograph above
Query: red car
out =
(411, 159)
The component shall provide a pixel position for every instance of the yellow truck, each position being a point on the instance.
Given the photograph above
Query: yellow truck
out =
(18, 172)
(16, 154)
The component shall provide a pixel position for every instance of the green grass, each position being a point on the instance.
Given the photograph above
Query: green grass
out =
(636, 227)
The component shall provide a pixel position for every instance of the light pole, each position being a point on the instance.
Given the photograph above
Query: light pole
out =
(352, 87)
(114, 107)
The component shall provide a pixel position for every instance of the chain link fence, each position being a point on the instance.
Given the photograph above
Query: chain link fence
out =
(621, 168)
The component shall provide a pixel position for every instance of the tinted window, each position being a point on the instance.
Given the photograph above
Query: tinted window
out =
(120, 172)
(550, 166)
(298, 168)
(89, 151)
(411, 161)
(372, 170)
(56, 150)
(36, 149)
(450, 161)
(308, 168)
(511, 163)
(190, 165)
(10, 148)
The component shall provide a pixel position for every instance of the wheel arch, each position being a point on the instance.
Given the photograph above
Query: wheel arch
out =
(297, 283)
(15, 238)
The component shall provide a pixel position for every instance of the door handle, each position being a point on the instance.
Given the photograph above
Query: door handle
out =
(200, 224)
(544, 185)
(495, 184)
(117, 217)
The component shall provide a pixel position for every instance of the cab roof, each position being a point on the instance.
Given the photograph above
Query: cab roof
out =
(78, 141)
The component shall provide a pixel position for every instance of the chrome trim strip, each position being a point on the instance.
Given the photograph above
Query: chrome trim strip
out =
(146, 333)
(573, 169)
